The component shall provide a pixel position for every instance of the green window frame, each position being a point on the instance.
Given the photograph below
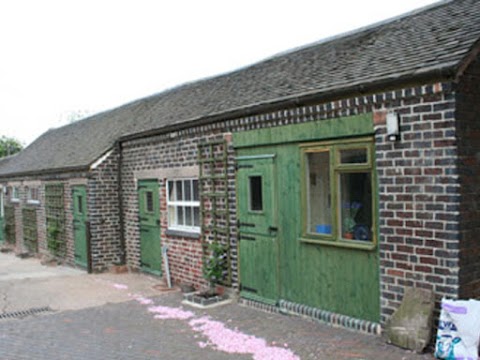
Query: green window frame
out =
(339, 193)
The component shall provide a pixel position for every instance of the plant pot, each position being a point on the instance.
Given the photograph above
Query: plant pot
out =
(220, 290)
(348, 236)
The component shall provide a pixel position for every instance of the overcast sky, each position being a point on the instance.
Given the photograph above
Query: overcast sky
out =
(59, 57)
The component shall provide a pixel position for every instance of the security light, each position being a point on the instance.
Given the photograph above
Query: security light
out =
(393, 128)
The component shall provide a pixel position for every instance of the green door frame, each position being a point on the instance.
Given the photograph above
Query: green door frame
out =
(149, 226)
(80, 219)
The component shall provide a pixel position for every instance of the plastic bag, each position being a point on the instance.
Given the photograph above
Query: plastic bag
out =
(458, 330)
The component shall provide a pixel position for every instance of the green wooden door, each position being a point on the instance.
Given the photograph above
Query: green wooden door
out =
(80, 217)
(257, 228)
(149, 220)
(2, 222)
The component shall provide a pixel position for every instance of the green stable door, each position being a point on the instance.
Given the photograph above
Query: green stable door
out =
(257, 228)
(149, 220)
(80, 218)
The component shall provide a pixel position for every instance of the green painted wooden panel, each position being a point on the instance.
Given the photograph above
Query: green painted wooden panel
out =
(258, 266)
(256, 173)
(358, 125)
(341, 280)
(149, 221)
(80, 217)
(257, 227)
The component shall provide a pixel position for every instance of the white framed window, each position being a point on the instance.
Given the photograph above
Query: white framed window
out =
(15, 194)
(32, 195)
(183, 205)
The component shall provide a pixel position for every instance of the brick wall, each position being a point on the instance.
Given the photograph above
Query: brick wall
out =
(164, 153)
(468, 138)
(419, 199)
(102, 206)
(104, 213)
(418, 180)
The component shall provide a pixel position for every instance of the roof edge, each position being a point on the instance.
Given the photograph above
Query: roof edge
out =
(443, 73)
(470, 57)
(45, 172)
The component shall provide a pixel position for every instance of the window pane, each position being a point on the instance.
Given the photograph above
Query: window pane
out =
(171, 191)
(149, 201)
(195, 190)
(256, 201)
(318, 193)
(196, 216)
(356, 206)
(80, 204)
(188, 190)
(353, 156)
(180, 220)
(188, 216)
(179, 190)
(33, 194)
(172, 220)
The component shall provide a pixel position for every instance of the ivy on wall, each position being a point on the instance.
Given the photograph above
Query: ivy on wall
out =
(55, 215)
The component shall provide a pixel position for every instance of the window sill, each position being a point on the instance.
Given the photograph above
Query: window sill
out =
(182, 233)
(350, 244)
(15, 201)
(33, 202)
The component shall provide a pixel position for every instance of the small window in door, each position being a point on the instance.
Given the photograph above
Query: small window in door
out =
(255, 190)
(80, 204)
(149, 202)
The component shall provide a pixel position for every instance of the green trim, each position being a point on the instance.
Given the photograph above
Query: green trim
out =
(255, 157)
(336, 169)
(356, 244)
(357, 125)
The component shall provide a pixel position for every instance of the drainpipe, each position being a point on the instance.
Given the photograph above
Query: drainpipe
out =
(123, 254)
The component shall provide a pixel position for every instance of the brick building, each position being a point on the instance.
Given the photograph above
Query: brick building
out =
(332, 176)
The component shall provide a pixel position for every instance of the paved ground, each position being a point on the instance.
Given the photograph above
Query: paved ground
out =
(107, 317)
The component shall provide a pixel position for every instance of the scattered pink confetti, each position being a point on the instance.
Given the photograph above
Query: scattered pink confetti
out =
(202, 344)
(234, 341)
(165, 312)
(144, 301)
(120, 286)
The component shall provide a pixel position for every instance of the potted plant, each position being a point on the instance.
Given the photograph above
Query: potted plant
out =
(350, 211)
(215, 267)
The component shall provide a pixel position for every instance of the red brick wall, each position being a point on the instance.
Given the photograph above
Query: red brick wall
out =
(468, 138)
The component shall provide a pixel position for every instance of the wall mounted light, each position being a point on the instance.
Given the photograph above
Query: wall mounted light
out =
(393, 127)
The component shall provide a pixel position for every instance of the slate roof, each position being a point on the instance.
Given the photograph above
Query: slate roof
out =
(430, 43)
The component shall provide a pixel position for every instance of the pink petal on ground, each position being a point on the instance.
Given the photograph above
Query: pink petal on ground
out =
(236, 342)
(165, 312)
(144, 301)
(120, 286)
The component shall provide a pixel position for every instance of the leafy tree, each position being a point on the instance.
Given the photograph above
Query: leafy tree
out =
(9, 146)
